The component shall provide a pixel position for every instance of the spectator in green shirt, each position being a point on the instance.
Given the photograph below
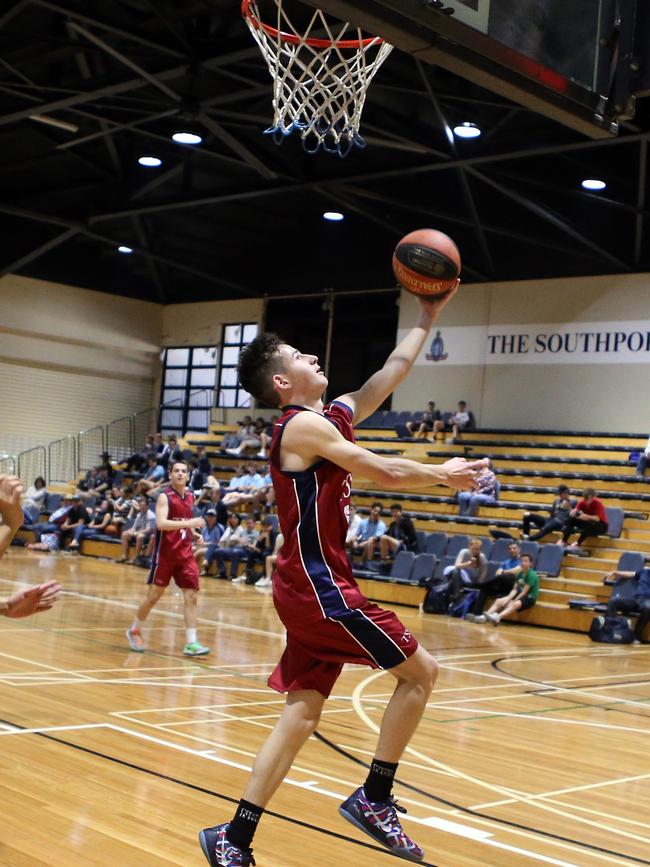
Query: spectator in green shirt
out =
(522, 596)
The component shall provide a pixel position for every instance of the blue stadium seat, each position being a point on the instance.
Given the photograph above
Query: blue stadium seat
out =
(499, 550)
(456, 544)
(531, 548)
(441, 565)
(423, 568)
(402, 567)
(549, 559)
(615, 517)
(422, 540)
(52, 502)
(486, 547)
(630, 561)
(436, 543)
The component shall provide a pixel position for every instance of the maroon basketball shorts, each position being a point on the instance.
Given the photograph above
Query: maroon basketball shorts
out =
(184, 571)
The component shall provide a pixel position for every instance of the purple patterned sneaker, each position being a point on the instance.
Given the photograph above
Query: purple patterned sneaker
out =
(220, 852)
(379, 821)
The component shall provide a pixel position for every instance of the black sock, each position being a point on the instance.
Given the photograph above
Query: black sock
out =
(244, 824)
(380, 780)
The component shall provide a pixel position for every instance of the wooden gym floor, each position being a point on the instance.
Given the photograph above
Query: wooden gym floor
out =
(533, 749)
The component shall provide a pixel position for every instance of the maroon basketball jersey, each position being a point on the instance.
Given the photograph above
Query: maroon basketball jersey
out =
(313, 507)
(176, 544)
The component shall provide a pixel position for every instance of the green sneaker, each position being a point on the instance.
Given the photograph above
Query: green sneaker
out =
(195, 649)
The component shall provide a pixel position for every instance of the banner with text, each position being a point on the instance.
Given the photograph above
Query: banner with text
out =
(554, 343)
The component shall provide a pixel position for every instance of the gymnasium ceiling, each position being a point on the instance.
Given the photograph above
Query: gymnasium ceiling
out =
(240, 217)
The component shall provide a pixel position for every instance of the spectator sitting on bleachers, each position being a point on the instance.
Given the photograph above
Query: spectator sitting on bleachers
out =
(354, 522)
(266, 492)
(400, 536)
(248, 488)
(232, 538)
(96, 526)
(560, 511)
(93, 484)
(522, 596)
(210, 537)
(637, 604)
(138, 460)
(232, 440)
(456, 424)
(76, 516)
(158, 444)
(48, 535)
(141, 530)
(249, 438)
(642, 463)
(469, 569)
(212, 498)
(171, 452)
(265, 438)
(121, 503)
(500, 585)
(261, 549)
(589, 518)
(34, 500)
(370, 528)
(203, 461)
(269, 563)
(484, 492)
(153, 477)
(420, 429)
(237, 547)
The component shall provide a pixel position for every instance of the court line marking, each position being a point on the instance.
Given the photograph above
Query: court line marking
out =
(568, 791)
(40, 729)
(502, 790)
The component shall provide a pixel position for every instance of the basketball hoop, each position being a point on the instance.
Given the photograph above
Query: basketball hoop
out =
(319, 84)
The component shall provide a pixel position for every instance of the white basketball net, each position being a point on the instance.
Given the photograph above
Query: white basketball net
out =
(318, 90)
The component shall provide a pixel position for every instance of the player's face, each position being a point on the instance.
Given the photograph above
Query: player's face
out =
(303, 371)
(179, 474)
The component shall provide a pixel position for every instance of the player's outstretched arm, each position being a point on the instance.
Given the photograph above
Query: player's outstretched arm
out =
(310, 437)
(374, 392)
(11, 512)
(30, 601)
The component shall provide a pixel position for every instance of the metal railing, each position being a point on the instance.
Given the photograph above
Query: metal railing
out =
(62, 459)
(91, 444)
(31, 464)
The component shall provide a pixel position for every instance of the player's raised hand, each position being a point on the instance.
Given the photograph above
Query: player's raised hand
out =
(432, 305)
(11, 489)
(462, 474)
(31, 600)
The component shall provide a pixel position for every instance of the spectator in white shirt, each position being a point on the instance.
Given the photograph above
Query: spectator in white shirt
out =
(641, 464)
(142, 529)
(456, 424)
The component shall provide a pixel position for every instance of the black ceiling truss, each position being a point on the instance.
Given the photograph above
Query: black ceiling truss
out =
(238, 216)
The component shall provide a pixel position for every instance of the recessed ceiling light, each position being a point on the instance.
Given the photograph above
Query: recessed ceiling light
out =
(124, 249)
(189, 138)
(150, 162)
(333, 216)
(593, 184)
(467, 130)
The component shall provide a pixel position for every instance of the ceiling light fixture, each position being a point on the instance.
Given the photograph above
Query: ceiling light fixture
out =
(467, 130)
(150, 162)
(333, 216)
(124, 249)
(594, 184)
(188, 138)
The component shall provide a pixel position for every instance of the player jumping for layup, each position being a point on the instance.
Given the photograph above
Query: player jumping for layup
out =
(173, 558)
(328, 620)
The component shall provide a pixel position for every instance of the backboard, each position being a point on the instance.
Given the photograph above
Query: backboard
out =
(579, 62)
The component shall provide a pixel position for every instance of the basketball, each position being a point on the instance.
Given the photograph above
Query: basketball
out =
(426, 262)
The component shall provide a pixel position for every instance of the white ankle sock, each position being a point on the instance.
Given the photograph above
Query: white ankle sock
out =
(191, 635)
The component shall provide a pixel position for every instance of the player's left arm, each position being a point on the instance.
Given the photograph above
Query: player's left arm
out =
(374, 392)
(11, 512)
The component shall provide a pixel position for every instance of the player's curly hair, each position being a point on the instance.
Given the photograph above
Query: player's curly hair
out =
(259, 361)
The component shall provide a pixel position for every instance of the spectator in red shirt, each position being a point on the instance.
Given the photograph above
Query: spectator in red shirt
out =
(588, 517)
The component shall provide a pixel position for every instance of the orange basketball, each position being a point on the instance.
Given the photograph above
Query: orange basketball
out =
(426, 262)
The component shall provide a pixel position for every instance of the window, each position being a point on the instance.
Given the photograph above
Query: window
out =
(187, 391)
(234, 338)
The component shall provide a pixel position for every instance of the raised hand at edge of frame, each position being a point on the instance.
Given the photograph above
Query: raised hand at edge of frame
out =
(31, 600)
(462, 474)
(11, 489)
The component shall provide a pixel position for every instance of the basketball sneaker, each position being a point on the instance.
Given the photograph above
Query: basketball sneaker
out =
(379, 821)
(220, 852)
(195, 649)
(134, 637)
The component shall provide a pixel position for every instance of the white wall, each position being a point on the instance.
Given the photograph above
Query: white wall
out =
(536, 391)
(71, 358)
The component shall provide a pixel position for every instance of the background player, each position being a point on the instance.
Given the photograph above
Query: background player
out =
(33, 599)
(173, 558)
(328, 620)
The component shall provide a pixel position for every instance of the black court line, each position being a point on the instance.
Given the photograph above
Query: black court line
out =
(477, 813)
(168, 778)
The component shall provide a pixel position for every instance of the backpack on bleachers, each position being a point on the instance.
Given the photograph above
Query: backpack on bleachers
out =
(462, 606)
(611, 630)
(436, 599)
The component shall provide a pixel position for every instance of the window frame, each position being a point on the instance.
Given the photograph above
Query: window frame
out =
(237, 388)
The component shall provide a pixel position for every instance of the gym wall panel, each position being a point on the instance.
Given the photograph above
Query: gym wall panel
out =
(595, 391)
(71, 358)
